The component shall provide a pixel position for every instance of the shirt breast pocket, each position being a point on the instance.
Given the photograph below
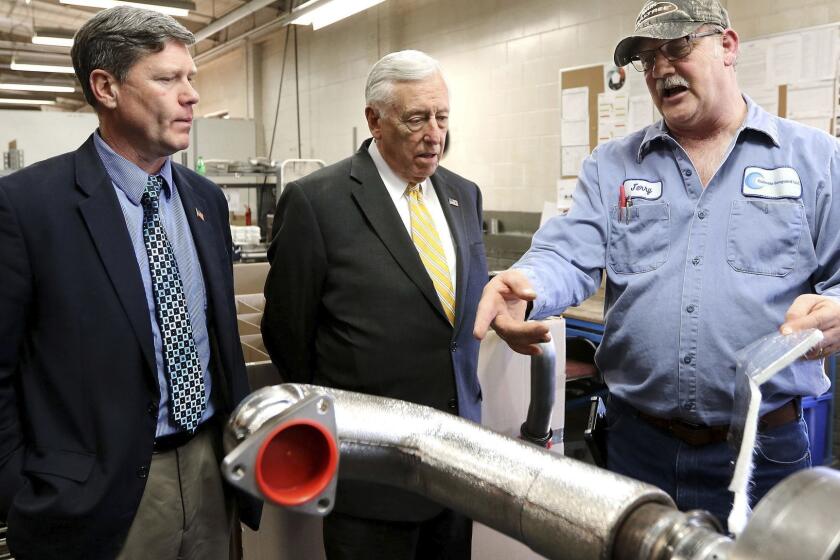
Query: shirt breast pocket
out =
(763, 236)
(639, 237)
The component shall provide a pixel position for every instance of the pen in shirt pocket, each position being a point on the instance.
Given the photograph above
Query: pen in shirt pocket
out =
(622, 202)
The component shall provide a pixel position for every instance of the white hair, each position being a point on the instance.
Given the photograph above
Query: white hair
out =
(401, 66)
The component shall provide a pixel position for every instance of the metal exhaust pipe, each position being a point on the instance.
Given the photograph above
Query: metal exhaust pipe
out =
(296, 462)
(561, 508)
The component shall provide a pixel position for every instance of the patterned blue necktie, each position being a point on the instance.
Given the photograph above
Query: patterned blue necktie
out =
(180, 357)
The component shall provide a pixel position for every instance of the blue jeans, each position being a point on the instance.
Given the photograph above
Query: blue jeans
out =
(698, 477)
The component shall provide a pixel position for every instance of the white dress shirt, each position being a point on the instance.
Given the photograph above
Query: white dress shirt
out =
(396, 188)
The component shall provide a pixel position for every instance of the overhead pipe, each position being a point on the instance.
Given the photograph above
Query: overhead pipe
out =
(248, 9)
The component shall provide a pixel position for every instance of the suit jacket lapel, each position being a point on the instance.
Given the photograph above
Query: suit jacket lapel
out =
(378, 207)
(455, 218)
(106, 224)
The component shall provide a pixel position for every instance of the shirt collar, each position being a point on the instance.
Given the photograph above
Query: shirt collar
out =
(761, 121)
(395, 185)
(127, 176)
(757, 120)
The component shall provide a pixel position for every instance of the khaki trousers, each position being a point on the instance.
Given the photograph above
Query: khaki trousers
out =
(184, 514)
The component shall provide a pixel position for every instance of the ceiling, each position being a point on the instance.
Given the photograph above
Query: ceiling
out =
(19, 18)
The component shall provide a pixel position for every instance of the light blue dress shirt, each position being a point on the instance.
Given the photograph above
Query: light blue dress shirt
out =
(694, 274)
(129, 183)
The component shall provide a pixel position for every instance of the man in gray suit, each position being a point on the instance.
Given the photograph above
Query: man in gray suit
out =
(377, 265)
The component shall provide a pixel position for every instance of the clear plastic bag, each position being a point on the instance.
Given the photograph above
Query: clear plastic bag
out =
(756, 364)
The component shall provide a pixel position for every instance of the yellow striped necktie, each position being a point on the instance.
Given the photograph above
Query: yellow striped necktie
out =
(426, 239)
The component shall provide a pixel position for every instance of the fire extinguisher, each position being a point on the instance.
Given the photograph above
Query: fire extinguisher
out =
(247, 215)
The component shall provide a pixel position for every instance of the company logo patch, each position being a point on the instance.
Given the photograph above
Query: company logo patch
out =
(782, 182)
(653, 10)
(638, 188)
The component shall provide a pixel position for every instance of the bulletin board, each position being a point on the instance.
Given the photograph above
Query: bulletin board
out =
(598, 103)
(788, 74)
(795, 74)
(592, 78)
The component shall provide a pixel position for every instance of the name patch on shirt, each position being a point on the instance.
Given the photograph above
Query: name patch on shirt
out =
(639, 188)
(782, 182)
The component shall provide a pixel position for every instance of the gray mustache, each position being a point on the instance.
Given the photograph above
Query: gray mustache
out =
(669, 82)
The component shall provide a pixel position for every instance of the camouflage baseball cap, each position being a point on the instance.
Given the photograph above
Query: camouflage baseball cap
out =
(670, 20)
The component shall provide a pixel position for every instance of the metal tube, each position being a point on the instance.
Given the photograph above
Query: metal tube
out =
(537, 426)
(561, 508)
(796, 519)
(247, 9)
(657, 532)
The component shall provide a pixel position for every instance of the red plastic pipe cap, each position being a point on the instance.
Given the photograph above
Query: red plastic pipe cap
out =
(296, 462)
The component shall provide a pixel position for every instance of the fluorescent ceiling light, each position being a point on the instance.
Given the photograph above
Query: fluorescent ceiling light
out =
(37, 87)
(26, 101)
(221, 114)
(53, 38)
(333, 11)
(41, 67)
(180, 9)
(52, 41)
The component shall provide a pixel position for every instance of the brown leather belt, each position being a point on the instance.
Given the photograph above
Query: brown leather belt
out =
(700, 434)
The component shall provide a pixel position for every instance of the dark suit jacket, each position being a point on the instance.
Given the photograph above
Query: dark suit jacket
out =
(350, 305)
(78, 388)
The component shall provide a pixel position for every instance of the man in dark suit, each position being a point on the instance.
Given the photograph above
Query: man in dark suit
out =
(119, 355)
(377, 265)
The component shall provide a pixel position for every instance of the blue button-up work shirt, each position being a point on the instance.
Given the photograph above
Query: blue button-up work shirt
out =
(129, 183)
(693, 274)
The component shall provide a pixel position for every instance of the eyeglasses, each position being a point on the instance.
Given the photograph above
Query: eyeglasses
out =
(675, 49)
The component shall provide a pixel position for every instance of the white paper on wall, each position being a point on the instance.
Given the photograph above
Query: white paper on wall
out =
(574, 104)
(574, 132)
(574, 129)
(784, 59)
(766, 97)
(810, 99)
(612, 116)
(565, 188)
(815, 45)
(640, 112)
(636, 84)
(572, 157)
(751, 67)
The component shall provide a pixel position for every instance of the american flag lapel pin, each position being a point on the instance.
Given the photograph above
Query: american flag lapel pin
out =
(200, 214)
(453, 202)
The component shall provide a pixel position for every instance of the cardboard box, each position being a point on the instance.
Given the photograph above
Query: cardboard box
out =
(249, 323)
(249, 278)
(253, 348)
(254, 341)
(249, 303)
(253, 356)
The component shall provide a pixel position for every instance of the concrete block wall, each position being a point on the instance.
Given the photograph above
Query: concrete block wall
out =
(502, 61)
(223, 83)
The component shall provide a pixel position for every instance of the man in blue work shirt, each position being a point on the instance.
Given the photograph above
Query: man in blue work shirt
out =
(715, 226)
